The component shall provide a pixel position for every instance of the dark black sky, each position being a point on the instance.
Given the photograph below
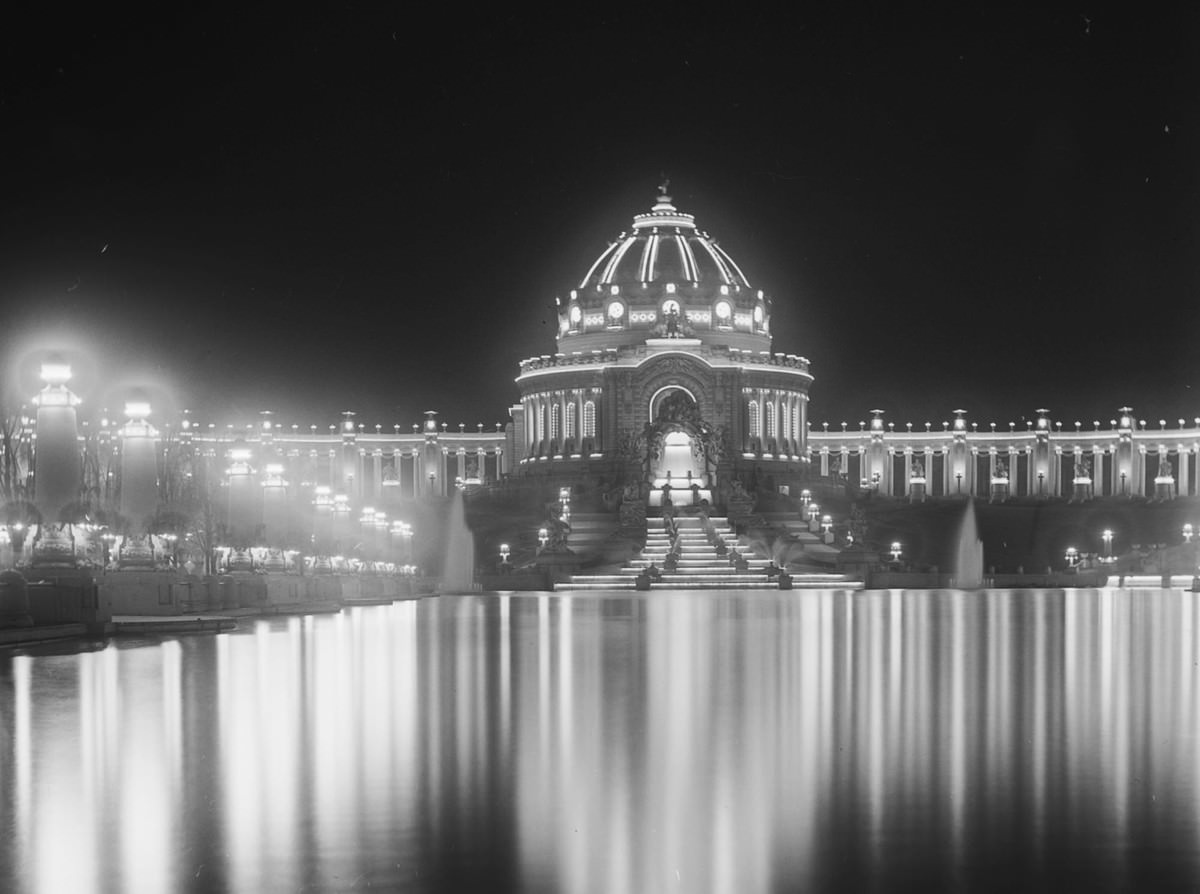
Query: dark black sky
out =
(370, 211)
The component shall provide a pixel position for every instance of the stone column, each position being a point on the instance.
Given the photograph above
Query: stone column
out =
(59, 462)
(139, 466)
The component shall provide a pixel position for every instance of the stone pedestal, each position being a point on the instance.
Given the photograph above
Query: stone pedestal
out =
(999, 490)
(1164, 488)
(136, 553)
(53, 547)
(916, 491)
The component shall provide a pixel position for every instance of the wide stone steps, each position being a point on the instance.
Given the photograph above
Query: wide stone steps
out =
(698, 566)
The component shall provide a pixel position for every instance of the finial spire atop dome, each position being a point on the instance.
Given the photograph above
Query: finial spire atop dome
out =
(663, 200)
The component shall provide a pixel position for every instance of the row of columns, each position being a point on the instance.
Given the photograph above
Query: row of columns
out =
(1123, 478)
(782, 415)
(558, 415)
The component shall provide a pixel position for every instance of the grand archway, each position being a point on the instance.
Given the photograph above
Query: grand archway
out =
(680, 467)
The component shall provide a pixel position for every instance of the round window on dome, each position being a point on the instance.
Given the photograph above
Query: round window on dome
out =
(616, 310)
(724, 311)
(576, 314)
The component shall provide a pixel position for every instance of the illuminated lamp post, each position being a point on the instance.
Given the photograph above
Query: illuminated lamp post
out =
(958, 482)
(827, 528)
(1107, 537)
(1123, 488)
(896, 551)
(543, 537)
(505, 564)
(814, 516)
(1041, 483)
(1072, 557)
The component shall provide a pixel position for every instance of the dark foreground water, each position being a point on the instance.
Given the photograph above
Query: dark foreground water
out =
(834, 741)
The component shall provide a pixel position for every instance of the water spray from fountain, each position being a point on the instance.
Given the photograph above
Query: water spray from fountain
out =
(458, 565)
(968, 556)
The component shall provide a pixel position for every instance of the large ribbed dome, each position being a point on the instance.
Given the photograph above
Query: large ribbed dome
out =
(664, 278)
(664, 246)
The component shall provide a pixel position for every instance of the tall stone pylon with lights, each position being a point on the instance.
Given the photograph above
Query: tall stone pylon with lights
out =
(139, 466)
(58, 457)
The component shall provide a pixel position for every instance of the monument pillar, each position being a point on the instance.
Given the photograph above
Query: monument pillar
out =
(275, 508)
(139, 466)
(59, 466)
(59, 463)
(245, 510)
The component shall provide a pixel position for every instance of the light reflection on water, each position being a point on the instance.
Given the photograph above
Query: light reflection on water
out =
(667, 741)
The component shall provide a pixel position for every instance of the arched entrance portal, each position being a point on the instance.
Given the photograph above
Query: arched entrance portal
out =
(679, 465)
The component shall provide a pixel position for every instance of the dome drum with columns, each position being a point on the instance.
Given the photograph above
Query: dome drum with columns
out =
(664, 361)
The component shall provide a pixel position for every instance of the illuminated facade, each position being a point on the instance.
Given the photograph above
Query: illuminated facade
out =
(664, 360)
(663, 377)
(1123, 457)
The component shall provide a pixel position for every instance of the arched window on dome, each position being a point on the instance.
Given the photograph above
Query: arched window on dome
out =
(541, 422)
(755, 421)
(569, 421)
(785, 419)
(554, 424)
(772, 432)
(589, 419)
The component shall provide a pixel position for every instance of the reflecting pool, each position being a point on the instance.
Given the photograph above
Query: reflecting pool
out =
(770, 741)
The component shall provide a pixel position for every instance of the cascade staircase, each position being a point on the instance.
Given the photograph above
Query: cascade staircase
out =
(700, 566)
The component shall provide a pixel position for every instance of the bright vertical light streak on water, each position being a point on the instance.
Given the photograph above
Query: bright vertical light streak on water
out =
(505, 672)
(142, 786)
(23, 755)
(676, 741)
(957, 739)
(1039, 707)
(172, 708)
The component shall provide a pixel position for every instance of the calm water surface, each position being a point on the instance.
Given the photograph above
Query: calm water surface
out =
(815, 741)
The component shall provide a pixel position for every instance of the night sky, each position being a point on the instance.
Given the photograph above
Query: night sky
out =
(375, 211)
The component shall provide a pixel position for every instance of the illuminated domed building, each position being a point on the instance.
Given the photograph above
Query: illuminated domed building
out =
(664, 371)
